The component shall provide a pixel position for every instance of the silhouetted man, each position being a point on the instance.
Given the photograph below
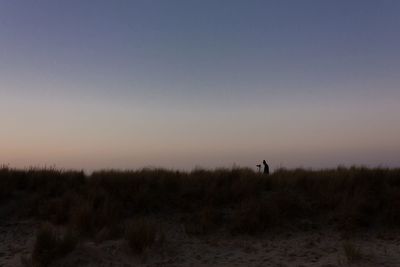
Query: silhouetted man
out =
(266, 167)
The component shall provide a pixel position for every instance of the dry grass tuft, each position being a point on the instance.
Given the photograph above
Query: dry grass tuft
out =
(142, 234)
(352, 252)
(50, 245)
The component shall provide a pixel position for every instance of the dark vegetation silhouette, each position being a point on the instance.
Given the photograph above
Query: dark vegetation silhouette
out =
(133, 204)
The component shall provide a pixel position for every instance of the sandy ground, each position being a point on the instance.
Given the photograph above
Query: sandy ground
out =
(312, 248)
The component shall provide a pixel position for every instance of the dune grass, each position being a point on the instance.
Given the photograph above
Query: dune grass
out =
(142, 233)
(51, 245)
(126, 204)
(352, 253)
(238, 199)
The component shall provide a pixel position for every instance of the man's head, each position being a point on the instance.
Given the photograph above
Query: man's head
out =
(264, 162)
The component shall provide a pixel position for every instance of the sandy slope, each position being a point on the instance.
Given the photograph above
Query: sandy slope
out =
(16, 240)
(312, 248)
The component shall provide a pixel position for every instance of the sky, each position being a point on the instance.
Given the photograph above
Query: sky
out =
(181, 84)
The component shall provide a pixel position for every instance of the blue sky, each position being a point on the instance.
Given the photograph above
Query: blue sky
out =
(178, 84)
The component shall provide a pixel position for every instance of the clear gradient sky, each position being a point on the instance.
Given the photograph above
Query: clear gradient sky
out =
(179, 84)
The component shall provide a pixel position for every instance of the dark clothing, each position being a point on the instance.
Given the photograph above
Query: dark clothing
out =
(266, 168)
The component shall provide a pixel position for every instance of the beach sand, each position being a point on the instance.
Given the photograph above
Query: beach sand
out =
(286, 248)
